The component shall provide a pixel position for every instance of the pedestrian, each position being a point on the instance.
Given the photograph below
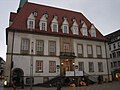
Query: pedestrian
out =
(58, 85)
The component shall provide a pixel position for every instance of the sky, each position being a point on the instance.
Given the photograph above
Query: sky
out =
(104, 14)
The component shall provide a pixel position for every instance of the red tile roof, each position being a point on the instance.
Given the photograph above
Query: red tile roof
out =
(20, 20)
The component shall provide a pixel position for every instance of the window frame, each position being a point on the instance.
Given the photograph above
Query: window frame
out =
(80, 54)
(23, 51)
(39, 51)
(52, 66)
(53, 53)
(91, 66)
(81, 66)
(100, 66)
(90, 55)
(40, 66)
(99, 54)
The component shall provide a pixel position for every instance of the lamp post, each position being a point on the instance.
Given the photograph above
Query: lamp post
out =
(31, 66)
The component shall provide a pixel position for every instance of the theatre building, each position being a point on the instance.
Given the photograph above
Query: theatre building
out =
(48, 42)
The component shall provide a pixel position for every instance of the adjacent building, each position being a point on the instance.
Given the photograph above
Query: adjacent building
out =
(114, 53)
(2, 64)
(46, 42)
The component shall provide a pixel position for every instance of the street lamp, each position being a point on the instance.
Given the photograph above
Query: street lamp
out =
(31, 66)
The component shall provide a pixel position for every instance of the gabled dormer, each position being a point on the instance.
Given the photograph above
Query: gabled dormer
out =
(74, 27)
(54, 24)
(65, 26)
(43, 22)
(92, 31)
(31, 22)
(84, 30)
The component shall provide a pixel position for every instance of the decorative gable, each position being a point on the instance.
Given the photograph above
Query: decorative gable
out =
(31, 22)
(54, 24)
(65, 26)
(74, 27)
(92, 31)
(84, 30)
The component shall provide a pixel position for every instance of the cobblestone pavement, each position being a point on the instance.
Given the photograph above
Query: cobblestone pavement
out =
(104, 86)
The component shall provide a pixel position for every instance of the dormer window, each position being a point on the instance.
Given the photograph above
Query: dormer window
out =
(54, 24)
(74, 28)
(31, 22)
(84, 30)
(65, 26)
(92, 31)
(43, 22)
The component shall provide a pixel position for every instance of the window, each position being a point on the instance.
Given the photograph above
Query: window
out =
(55, 27)
(75, 30)
(80, 50)
(52, 66)
(111, 65)
(114, 46)
(93, 33)
(85, 33)
(40, 47)
(109, 47)
(110, 55)
(119, 63)
(91, 67)
(115, 64)
(25, 45)
(52, 48)
(66, 47)
(99, 51)
(81, 66)
(89, 51)
(43, 22)
(118, 44)
(65, 29)
(43, 26)
(39, 66)
(100, 66)
(31, 22)
(114, 55)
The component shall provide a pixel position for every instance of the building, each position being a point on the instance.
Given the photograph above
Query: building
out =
(46, 42)
(2, 64)
(114, 53)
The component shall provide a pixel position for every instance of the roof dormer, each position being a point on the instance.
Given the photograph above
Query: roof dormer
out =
(31, 22)
(65, 26)
(84, 30)
(92, 31)
(74, 27)
(43, 22)
(54, 24)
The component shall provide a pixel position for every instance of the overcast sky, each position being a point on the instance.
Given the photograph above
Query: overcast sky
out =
(104, 14)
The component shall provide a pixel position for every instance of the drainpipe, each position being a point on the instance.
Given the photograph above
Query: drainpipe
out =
(107, 62)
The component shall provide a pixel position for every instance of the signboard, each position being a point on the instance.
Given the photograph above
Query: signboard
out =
(69, 73)
(78, 73)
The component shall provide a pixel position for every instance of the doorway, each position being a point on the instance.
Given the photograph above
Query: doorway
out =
(67, 65)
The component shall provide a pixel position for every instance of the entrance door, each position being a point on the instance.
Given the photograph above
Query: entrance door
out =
(66, 65)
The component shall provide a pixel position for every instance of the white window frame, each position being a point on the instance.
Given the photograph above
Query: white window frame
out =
(52, 66)
(52, 47)
(43, 25)
(39, 66)
(39, 47)
(25, 45)
(54, 29)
